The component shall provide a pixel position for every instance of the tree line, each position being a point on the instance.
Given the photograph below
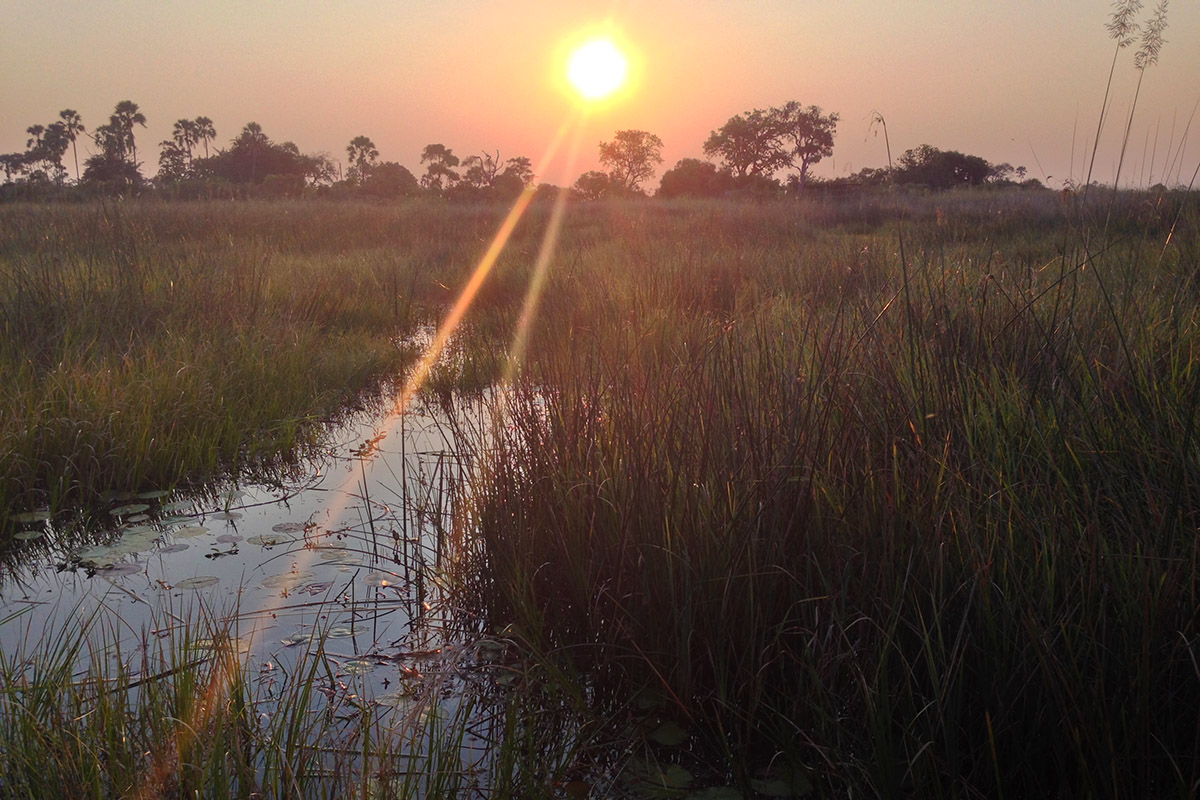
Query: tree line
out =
(746, 156)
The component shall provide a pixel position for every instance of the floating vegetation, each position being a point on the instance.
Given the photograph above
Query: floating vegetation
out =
(198, 582)
(267, 541)
(379, 579)
(132, 508)
(358, 666)
(288, 527)
(26, 536)
(190, 531)
(288, 580)
(30, 516)
(124, 568)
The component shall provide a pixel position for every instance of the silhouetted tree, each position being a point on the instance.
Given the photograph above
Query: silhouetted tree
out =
(631, 158)
(13, 164)
(174, 163)
(124, 118)
(362, 154)
(748, 144)
(762, 142)
(691, 177)
(185, 135)
(439, 172)
(480, 171)
(941, 169)
(73, 126)
(389, 179)
(519, 168)
(253, 158)
(805, 134)
(592, 185)
(205, 132)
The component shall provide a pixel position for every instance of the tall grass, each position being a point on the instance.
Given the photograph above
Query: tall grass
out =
(930, 538)
(147, 344)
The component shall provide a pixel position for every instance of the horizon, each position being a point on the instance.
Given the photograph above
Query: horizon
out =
(1022, 85)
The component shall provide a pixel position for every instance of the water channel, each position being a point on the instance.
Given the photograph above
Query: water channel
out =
(343, 562)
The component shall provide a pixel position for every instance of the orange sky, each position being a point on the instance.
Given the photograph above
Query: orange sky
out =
(1017, 81)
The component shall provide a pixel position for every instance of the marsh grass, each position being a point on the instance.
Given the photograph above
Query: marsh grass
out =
(902, 527)
(146, 345)
(857, 522)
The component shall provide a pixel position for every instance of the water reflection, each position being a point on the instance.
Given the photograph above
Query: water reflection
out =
(348, 556)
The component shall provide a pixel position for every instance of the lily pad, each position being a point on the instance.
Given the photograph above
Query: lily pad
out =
(128, 568)
(190, 532)
(288, 527)
(300, 637)
(25, 536)
(137, 518)
(267, 541)
(340, 632)
(341, 558)
(287, 580)
(397, 700)
(229, 538)
(94, 552)
(379, 579)
(132, 508)
(176, 505)
(178, 547)
(199, 582)
(228, 516)
(134, 529)
(358, 666)
(314, 589)
(152, 495)
(30, 516)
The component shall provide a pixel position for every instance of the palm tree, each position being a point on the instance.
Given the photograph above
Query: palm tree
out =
(74, 126)
(124, 118)
(205, 132)
(186, 134)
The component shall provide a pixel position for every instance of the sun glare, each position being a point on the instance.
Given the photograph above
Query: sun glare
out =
(597, 68)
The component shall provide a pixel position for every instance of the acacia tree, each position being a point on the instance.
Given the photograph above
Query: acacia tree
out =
(805, 135)
(762, 142)
(748, 144)
(439, 174)
(362, 154)
(631, 158)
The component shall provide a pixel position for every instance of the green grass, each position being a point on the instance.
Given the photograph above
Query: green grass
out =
(145, 345)
(894, 495)
(909, 524)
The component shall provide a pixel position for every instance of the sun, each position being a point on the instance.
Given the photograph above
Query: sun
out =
(597, 68)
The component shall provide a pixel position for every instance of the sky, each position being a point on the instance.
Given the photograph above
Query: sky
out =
(1018, 81)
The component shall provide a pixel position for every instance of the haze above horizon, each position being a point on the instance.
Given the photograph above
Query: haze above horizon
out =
(1022, 83)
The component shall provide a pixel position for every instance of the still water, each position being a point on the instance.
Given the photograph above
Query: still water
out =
(349, 556)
